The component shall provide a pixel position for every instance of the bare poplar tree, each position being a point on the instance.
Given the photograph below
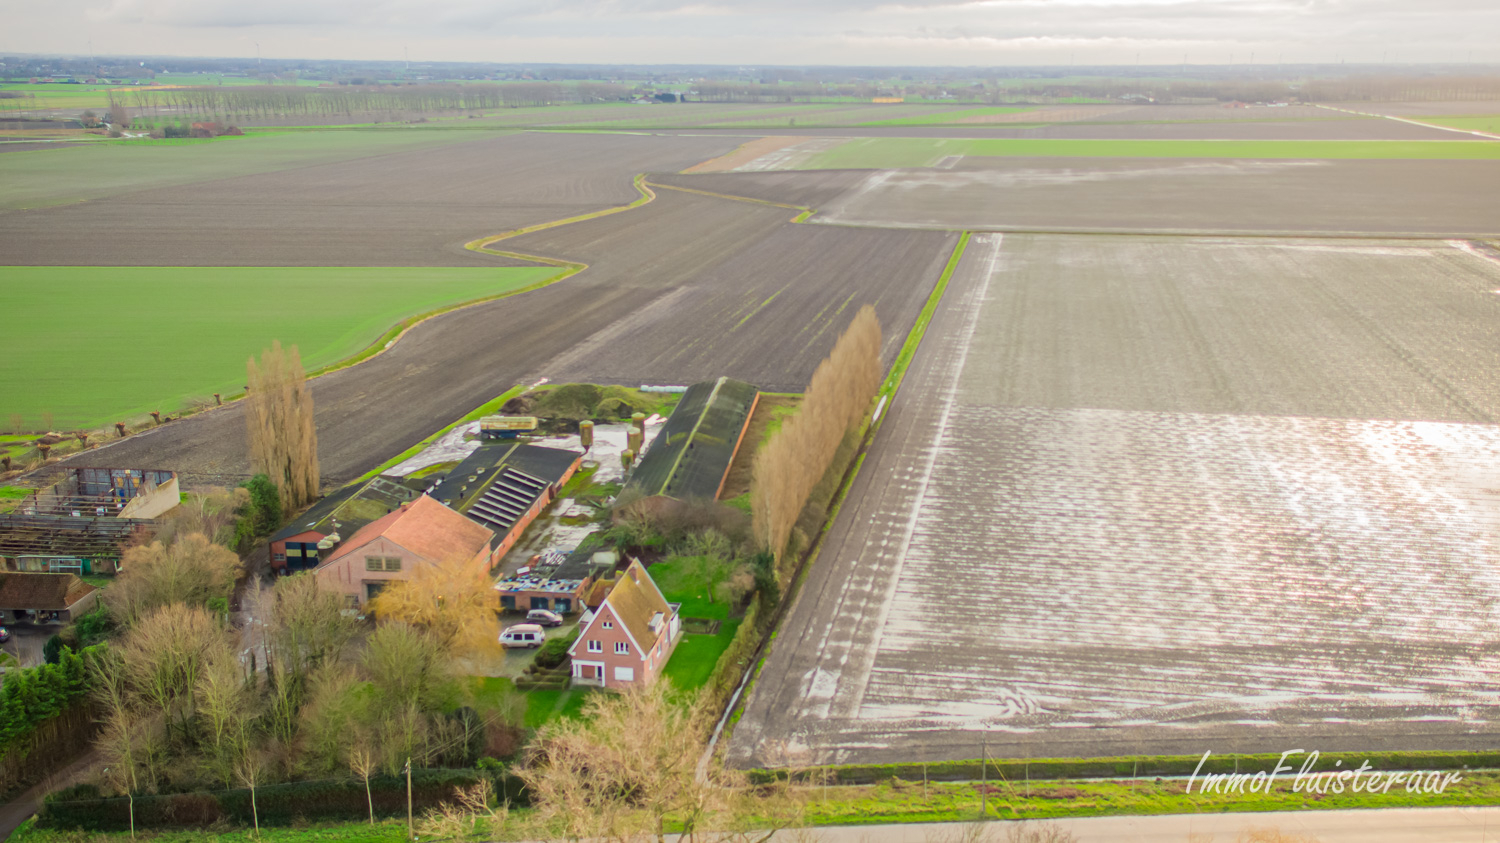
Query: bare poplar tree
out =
(279, 422)
(789, 466)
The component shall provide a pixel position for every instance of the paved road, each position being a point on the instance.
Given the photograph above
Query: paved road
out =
(17, 810)
(1395, 825)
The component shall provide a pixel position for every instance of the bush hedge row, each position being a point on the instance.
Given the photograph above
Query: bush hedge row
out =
(280, 804)
(1147, 766)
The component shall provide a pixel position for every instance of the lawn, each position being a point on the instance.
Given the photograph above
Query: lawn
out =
(884, 153)
(47, 177)
(682, 579)
(541, 706)
(693, 661)
(95, 345)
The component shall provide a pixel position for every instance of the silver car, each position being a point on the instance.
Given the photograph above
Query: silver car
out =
(544, 617)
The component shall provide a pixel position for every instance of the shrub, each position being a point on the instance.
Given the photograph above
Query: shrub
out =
(264, 511)
(280, 804)
(93, 627)
(555, 651)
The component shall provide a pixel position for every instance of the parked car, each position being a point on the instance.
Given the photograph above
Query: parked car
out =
(4, 635)
(544, 617)
(523, 635)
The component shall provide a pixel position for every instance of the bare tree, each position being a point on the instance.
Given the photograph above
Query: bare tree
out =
(279, 420)
(362, 763)
(165, 654)
(789, 466)
(451, 601)
(622, 770)
(306, 626)
(190, 570)
(225, 701)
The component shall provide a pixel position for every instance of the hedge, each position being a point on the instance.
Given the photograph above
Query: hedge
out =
(1145, 766)
(35, 695)
(277, 804)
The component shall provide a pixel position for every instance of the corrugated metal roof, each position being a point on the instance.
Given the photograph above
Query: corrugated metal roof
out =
(692, 452)
(498, 483)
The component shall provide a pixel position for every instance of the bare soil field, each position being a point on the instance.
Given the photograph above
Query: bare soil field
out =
(1143, 496)
(413, 208)
(808, 188)
(687, 287)
(1421, 198)
(1424, 109)
(1335, 127)
(750, 151)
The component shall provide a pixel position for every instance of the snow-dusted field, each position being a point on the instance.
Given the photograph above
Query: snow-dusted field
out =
(1140, 496)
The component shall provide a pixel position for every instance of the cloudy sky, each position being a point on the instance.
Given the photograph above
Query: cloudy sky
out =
(909, 32)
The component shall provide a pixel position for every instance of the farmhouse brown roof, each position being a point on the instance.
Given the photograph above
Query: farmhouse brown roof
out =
(45, 592)
(426, 528)
(635, 600)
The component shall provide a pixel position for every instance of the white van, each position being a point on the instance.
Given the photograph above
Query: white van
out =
(523, 635)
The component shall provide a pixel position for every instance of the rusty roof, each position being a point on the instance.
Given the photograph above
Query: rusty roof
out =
(45, 592)
(426, 528)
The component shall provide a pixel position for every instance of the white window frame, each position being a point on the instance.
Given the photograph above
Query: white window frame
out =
(608, 625)
(622, 648)
(624, 674)
(595, 646)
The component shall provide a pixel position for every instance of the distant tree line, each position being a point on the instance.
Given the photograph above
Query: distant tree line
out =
(254, 101)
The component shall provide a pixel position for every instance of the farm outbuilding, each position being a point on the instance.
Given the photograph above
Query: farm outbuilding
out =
(81, 523)
(393, 548)
(300, 545)
(692, 453)
(43, 597)
(503, 486)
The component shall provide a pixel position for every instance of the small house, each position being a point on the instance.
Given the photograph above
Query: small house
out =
(630, 637)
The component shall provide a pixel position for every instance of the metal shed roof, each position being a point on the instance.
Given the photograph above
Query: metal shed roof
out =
(692, 452)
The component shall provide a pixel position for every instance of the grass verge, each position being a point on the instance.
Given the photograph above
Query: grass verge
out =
(1010, 799)
(919, 328)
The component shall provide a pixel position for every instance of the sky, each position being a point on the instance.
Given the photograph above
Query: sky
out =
(770, 32)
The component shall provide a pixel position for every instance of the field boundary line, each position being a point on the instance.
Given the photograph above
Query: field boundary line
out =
(802, 217)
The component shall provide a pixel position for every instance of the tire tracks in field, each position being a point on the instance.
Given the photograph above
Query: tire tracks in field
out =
(1443, 386)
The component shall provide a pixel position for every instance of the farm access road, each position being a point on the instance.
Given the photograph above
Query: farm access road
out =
(684, 288)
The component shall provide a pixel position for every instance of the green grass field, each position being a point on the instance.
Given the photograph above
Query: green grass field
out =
(882, 153)
(94, 345)
(1470, 122)
(49, 177)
